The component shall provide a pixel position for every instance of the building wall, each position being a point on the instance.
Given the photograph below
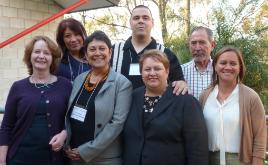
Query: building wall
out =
(16, 16)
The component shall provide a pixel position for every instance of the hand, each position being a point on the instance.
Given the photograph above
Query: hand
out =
(3, 163)
(72, 154)
(257, 161)
(3, 155)
(180, 87)
(58, 140)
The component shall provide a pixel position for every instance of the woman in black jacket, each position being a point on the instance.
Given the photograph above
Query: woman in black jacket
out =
(162, 128)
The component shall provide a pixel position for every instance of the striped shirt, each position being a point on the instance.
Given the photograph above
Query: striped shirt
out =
(197, 81)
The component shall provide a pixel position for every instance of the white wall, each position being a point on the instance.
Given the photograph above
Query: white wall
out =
(16, 16)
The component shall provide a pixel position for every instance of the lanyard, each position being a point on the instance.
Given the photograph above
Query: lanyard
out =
(87, 99)
(130, 56)
(71, 68)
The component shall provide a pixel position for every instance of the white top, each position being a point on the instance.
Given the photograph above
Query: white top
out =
(196, 80)
(222, 122)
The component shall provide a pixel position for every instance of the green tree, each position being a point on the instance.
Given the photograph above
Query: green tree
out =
(245, 28)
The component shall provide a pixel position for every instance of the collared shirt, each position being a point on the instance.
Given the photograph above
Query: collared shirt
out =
(222, 120)
(196, 80)
(130, 56)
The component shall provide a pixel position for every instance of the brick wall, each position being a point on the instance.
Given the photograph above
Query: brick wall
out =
(15, 16)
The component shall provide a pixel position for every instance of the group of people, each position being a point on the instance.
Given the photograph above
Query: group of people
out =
(88, 102)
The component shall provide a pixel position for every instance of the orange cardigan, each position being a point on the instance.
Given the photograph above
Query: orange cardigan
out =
(252, 123)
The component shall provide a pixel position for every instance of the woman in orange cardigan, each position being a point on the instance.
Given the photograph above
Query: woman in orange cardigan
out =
(234, 114)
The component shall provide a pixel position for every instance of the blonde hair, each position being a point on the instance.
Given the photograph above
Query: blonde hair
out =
(240, 59)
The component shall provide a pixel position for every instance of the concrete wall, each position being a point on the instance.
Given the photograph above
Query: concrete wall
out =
(16, 16)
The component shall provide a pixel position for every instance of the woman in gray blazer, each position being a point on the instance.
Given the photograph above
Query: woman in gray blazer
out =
(98, 108)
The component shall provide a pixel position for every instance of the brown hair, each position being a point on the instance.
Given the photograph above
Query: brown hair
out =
(156, 55)
(240, 59)
(52, 46)
(77, 28)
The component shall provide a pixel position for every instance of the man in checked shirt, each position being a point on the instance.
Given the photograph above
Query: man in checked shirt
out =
(198, 72)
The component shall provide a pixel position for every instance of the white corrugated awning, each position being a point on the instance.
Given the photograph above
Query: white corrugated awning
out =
(92, 4)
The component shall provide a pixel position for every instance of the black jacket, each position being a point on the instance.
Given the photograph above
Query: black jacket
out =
(174, 134)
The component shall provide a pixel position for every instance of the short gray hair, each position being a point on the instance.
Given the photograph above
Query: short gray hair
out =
(208, 31)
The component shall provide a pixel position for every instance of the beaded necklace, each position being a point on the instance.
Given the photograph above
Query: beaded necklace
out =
(89, 86)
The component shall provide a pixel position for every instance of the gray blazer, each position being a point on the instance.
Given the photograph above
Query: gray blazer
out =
(112, 105)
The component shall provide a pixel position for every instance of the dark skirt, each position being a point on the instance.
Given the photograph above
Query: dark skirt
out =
(34, 148)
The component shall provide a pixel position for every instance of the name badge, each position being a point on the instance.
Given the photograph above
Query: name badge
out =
(134, 69)
(79, 113)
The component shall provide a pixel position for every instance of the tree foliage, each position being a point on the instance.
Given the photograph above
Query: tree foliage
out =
(244, 26)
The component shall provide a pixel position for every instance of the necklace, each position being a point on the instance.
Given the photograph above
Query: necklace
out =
(89, 86)
(150, 103)
(40, 84)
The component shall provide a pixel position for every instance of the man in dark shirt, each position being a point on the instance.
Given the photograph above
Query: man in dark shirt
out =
(125, 58)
